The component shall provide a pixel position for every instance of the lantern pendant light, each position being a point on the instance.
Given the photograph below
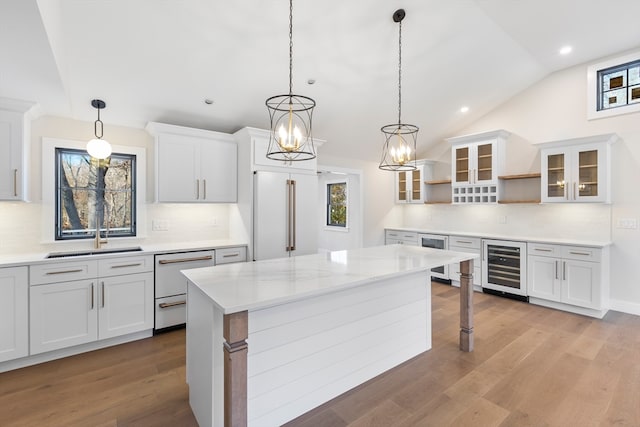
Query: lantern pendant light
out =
(291, 115)
(398, 152)
(98, 148)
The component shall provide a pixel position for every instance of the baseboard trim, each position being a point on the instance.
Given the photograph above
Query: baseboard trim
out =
(624, 306)
(23, 362)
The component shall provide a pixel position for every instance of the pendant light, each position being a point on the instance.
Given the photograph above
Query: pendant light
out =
(98, 147)
(290, 115)
(398, 152)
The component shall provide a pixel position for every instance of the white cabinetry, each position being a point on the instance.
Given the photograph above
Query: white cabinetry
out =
(14, 313)
(393, 237)
(194, 165)
(477, 161)
(15, 126)
(570, 275)
(466, 244)
(71, 305)
(577, 170)
(410, 187)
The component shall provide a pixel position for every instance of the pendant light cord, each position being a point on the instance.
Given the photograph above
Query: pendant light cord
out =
(290, 47)
(399, 71)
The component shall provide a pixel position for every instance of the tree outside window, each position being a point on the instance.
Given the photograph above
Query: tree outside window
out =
(337, 204)
(91, 191)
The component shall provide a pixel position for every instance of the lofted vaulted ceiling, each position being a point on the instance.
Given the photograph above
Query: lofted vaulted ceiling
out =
(157, 60)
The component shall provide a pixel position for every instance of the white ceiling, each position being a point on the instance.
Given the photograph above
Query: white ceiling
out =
(157, 60)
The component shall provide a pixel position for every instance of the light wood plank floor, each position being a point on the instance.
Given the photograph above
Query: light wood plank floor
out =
(532, 367)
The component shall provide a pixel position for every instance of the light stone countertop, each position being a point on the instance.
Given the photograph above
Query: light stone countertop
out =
(510, 237)
(147, 249)
(261, 284)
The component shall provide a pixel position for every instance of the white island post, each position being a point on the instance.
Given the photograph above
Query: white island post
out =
(267, 341)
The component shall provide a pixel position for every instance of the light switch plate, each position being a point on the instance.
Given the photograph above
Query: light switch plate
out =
(627, 223)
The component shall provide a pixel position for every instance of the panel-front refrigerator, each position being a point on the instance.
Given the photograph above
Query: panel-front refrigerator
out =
(285, 214)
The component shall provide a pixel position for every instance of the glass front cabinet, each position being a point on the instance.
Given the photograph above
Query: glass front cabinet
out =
(576, 170)
(410, 184)
(477, 161)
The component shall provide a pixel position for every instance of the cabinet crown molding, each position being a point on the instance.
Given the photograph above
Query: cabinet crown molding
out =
(607, 138)
(16, 105)
(495, 134)
(155, 129)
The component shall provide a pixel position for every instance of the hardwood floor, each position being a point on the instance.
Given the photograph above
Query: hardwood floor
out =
(531, 366)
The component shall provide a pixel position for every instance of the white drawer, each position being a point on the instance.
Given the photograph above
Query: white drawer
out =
(229, 255)
(404, 236)
(125, 265)
(168, 278)
(464, 242)
(171, 311)
(66, 271)
(582, 253)
(544, 249)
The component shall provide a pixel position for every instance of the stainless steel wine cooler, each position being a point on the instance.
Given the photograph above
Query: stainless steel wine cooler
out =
(504, 267)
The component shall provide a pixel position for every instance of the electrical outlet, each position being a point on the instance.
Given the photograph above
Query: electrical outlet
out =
(502, 219)
(160, 225)
(627, 223)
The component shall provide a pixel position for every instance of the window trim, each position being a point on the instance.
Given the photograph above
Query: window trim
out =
(48, 189)
(58, 236)
(327, 184)
(593, 88)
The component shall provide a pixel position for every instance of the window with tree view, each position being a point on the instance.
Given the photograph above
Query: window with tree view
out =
(94, 194)
(337, 204)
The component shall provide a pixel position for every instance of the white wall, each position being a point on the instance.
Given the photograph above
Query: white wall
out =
(553, 109)
(21, 223)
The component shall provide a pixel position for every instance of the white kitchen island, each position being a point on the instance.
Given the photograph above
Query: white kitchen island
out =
(267, 341)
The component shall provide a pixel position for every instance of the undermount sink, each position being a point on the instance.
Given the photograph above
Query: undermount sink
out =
(92, 252)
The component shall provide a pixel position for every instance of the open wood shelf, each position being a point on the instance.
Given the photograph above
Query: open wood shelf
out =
(448, 202)
(440, 181)
(520, 176)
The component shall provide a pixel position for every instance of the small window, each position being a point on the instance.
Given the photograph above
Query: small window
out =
(619, 86)
(94, 194)
(337, 204)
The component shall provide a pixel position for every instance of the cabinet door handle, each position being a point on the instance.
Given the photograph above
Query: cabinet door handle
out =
(173, 261)
(15, 182)
(102, 296)
(197, 189)
(171, 304)
(204, 189)
(464, 241)
(92, 299)
(126, 265)
(579, 253)
(556, 268)
(63, 272)
(575, 191)
(564, 270)
(543, 250)
(231, 255)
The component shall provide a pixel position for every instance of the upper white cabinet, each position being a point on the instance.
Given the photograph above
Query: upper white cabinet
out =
(15, 126)
(410, 187)
(14, 313)
(477, 161)
(194, 165)
(577, 170)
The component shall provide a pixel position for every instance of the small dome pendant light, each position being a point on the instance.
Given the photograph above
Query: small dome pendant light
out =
(98, 148)
(398, 152)
(291, 115)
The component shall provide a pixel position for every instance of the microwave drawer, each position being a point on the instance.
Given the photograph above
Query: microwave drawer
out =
(171, 311)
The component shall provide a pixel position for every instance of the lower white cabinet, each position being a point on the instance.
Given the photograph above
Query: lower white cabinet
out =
(126, 305)
(65, 313)
(14, 309)
(566, 274)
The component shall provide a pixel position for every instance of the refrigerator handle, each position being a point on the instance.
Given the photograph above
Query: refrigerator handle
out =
(293, 216)
(288, 247)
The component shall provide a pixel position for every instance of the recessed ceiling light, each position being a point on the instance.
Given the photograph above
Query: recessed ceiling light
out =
(208, 101)
(565, 50)
(311, 81)
(464, 109)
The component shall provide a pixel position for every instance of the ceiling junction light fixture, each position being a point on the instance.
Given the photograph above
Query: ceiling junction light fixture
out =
(291, 134)
(398, 153)
(98, 147)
